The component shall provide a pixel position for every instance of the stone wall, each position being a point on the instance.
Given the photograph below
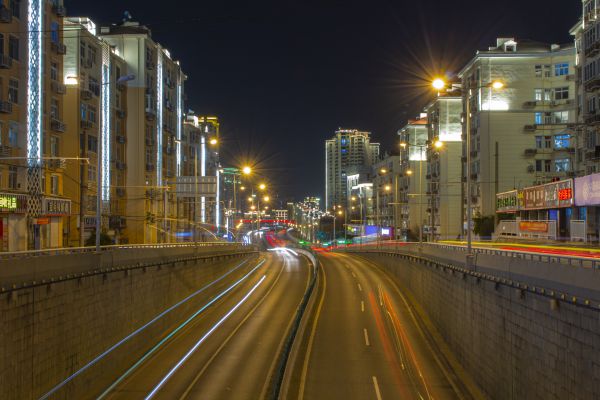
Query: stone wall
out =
(516, 342)
(51, 330)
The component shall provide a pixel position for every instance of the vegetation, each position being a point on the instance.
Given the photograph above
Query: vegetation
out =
(483, 225)
(105, 240)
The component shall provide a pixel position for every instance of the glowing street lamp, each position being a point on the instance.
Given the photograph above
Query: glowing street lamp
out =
(409, 172)
(497, 85)
(247, 170)
(438, 84)
(262, 186)
(438, 144)
(213, 141)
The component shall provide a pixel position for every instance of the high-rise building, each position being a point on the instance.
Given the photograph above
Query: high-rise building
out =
(154, 127)
(520, 97)
(349, 152)
(96, 94)
(444, 166)
(385, 175)
(33, 210)
(412, 184)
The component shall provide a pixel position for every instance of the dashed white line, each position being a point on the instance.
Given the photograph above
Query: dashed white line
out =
(359, 287)
(362, 306)
(376, 385)
(366, 337)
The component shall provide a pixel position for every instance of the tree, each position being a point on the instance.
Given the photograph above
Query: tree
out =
(105, 240)
(484, 226)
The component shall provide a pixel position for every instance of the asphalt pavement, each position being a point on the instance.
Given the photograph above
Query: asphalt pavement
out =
(230, 350)
(365, 341)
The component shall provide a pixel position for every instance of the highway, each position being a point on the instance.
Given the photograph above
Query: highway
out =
(365, 343)
(230, 350)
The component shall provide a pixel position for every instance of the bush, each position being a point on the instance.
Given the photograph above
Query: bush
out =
(484, 226)
(105, 240)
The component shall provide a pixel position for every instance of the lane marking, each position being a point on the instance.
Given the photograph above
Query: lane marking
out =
(366, 337)
(201, 340)
(362, 306)
(376, 385)
(359, 287)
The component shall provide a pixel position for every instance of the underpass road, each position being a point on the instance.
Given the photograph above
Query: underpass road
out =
(230, 350)
(366, 341)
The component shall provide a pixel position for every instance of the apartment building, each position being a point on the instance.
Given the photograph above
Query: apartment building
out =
(444, 167)
(412, 184)
(520, 97)
(33, 210)
(349, 152)
(385, 175)
(154, 107)
(96, 94)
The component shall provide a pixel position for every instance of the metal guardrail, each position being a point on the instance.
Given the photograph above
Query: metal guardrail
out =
(575, 261)
(92, 249)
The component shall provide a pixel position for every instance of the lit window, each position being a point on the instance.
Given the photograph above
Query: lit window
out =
(562, 164)
(13, 91)
(561, 93)
(561, 141)
(561, 69)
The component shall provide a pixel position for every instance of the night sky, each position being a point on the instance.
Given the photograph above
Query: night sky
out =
(282, 76)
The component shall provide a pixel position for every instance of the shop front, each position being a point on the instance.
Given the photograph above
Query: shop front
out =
(13, 222)
(53, 221)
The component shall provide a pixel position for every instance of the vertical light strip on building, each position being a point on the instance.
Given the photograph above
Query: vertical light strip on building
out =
(179, 122)
(159, 116)
(217, 205)
(202, 174)
(34, 82)
(105, 128)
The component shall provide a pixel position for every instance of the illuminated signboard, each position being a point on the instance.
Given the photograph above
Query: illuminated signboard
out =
(551, 195)
(507, 201)
(13, 203)
(587, 190)
(53, 206)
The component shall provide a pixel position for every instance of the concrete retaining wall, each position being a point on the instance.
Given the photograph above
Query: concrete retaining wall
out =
(516, 344)
(49, 331)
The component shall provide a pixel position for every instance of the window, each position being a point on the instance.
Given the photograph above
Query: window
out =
(542, 71)
(538, 142)
(54, 108)
(547, 165)
(54, 187)
(561, 93)
(94, 86)
(15, 8)
(547, 94)
(13, 47)
(91, 113)
(53, 146)
(562, 141)
(539, 118)
(561, 69)
(562, 164)
(92, 55)
(560, 117)
(538, 94)
(591, 104)
(547, 142)
(54, 32)
(92, 144)
(82, 52)
(91, 173)
(13, 91)
(538, 165)
(12, 177)
(83, 109)
(53, 70)
(13, 134)
(1, 43)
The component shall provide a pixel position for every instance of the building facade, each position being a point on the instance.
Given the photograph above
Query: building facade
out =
(385, 175)
(349, 152)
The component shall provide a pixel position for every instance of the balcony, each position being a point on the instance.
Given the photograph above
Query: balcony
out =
(57, 125)
(474, 176)
(530, 128)
(86, 94)
(56, 164)
(5, 107)
(121, 166)
(592, 119)
(59, 48)
(593, 83)
(58, 88)
(60, 11)
(87, 63)
(121, 139)
(5, 15)
(530, 152)
(5, 61)
(149, 167)
(565, 149)
(5, 151)
(571, 77)
(85, 124)
(529, 104)
(593, 49)
(149, 142)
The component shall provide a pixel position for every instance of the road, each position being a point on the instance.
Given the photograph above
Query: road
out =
(365, 342)
(230, 350)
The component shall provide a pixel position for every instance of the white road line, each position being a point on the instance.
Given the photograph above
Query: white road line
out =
(362, 306)
(376, 385)
(359, 287)
(366, 337)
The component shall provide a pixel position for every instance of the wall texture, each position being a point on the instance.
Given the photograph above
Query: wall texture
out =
(515, 343)
(51, 330)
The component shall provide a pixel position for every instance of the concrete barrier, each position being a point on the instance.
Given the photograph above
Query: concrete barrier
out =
(516, 341)
(51, 330)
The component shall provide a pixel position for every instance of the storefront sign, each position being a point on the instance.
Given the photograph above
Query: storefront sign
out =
(530, 226)
(587, 190)
(551, 195)
(13, 203)
(507, 202)
(42, 221)
(56, 207)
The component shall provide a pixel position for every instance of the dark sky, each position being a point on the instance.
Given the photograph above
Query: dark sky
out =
(282, 76)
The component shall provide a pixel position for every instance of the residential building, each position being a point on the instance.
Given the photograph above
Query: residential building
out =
(349, 152)
(385, 176)
(520, 97)
(33, 210)
(97, 95)
(444, 167)
(154, 126)
(412, 184)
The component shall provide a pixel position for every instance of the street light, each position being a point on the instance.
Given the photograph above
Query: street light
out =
(262, 186)
(213, 141)
(247, 170)
(438, 84)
